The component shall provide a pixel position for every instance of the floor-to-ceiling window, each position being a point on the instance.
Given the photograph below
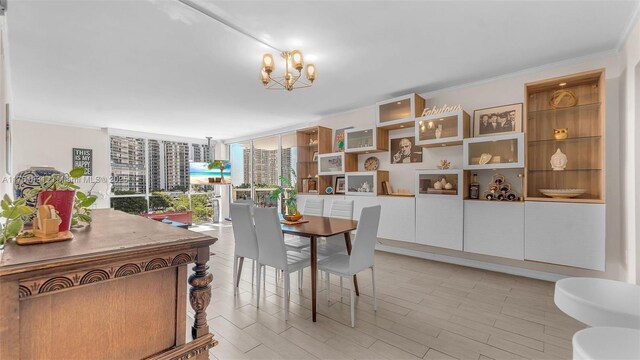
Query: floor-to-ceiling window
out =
(153, 175)
(258, 164)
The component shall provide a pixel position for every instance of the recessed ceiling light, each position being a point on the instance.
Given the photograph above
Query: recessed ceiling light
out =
(562, 84)
(399, 103)
(401, 126)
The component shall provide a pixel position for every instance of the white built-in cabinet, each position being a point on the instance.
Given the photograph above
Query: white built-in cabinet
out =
(439, 221)
(571, 234)
(494, 228)
(397, 218)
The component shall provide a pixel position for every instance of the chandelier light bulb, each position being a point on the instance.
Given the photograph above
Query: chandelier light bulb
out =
(297, 59)
(311, 72)
(267, 63)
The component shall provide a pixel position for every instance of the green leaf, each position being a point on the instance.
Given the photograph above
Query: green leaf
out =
(85, 218)
(77, 172)
(14, 227)
(25, 210)
(88, 201)
(5, 204)
(73, 186)
(80, 195)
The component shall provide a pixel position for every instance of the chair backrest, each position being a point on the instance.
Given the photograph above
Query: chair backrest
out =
(342, 209)
(365, 241)
(244, 232)
(271, 247)
(313, 206)
(249, 202)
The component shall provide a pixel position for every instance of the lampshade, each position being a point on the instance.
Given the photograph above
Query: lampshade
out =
(311, 72)
(267, 63)
(297, 60)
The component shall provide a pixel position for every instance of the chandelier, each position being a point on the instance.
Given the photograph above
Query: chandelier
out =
(293, 61)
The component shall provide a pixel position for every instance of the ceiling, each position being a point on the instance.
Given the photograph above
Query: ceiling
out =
(158, 66)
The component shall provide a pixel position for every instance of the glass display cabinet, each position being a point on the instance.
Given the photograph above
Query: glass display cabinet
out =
(494, 152)
(399, 112)
(442, 129)
(364, 141)
(565, 139)
(331, 164)
(365, 183)
(310, 143)
(440, 183)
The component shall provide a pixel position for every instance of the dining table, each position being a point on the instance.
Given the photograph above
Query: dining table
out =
(314, 227)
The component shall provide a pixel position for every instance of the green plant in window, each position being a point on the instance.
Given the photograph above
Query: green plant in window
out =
(288, 192)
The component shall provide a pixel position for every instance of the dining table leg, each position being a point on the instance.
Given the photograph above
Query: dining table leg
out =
(347, 240)
(314, 274)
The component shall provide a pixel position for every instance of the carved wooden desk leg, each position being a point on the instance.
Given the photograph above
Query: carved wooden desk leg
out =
(200, 293)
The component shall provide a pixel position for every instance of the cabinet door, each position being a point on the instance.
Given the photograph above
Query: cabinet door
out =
(494, 228)
(397, 215)
(566, 234)
(439, 221)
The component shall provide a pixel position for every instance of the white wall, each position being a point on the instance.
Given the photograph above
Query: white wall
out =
(5, 186)
(507, 90)
(630, 144)
(48, 144)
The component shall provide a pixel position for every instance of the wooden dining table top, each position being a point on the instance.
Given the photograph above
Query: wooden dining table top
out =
(320, 226)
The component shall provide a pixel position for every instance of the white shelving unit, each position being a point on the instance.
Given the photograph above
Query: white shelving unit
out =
(331, 164)
(399, 112)
(505, 151)
(442, 129)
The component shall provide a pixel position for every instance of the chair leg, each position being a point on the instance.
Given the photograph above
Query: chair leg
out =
(328, 280)
(340, 288)
(373, 283)
(253, 271)
(352, 294)
(235, 272)
(258, 292)
(300, 275)
(286, 295)
(239, 271)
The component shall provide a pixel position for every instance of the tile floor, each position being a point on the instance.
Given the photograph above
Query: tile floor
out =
(426, 309)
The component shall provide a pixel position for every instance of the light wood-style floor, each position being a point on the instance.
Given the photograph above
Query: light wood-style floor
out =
(426, 309)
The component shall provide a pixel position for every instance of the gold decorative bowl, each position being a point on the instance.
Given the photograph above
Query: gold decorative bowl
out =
(295, 217)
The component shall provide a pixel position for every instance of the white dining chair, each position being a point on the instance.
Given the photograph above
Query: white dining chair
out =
(361, 258)
(246, 243)
(313, 206)
(272, 251)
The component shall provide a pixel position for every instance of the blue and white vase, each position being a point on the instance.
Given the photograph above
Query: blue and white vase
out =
(28, 179)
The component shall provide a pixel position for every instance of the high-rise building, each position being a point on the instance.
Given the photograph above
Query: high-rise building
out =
(201, 152)
(155, 176)
(265, 166)
(127, 164)
(176, 164)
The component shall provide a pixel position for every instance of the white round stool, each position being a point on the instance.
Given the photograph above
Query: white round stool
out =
(599, 302)
(606, 343)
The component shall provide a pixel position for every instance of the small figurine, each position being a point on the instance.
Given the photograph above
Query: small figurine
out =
(560, 134)
(439, 131)
(558, 160)
(444, 164)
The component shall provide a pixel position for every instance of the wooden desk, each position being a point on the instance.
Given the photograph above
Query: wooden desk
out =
(116, 291)
(321, 226)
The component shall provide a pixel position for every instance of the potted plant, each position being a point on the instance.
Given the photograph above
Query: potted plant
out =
(291, 201)
(220, 164)
(59, 190)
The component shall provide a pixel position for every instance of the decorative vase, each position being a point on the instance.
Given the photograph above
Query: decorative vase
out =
(558, 160)
(439, 131)
(62, 200)
(28, 179)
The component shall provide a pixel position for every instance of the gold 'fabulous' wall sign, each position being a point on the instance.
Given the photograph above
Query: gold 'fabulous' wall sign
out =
(444, 109)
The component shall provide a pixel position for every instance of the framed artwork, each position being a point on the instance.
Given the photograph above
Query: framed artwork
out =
(338, 143)
(339, 188)
(497, 120)
(404, 151)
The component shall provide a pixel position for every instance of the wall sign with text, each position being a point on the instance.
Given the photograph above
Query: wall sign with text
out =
(83, 158)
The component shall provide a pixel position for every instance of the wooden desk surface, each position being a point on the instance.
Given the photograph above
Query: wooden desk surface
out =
(111, 234)
(320, 226)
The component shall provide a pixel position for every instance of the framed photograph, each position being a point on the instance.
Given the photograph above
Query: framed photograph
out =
(404, 151)
(338, 143)
(339, 188)
(315, 156)
(497, 120)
